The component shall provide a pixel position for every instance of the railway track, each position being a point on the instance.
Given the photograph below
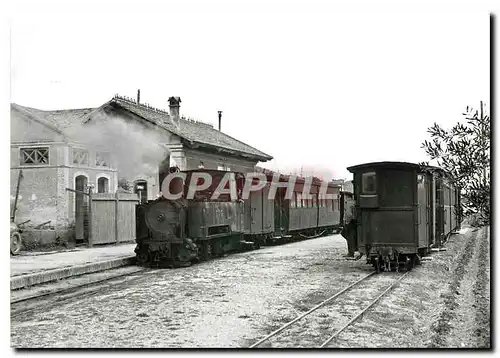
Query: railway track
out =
(44, 300)
(343, 314)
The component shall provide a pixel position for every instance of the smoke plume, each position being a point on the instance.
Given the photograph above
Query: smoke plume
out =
(136, 149)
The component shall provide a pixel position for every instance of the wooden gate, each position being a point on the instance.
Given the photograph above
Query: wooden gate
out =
(113, 218)
(80, 200)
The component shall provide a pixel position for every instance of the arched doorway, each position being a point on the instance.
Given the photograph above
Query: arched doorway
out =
(141, 188)
(81, 210)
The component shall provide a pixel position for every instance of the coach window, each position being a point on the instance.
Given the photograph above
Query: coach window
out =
(292, 201)
(369, 183)
(299, 200)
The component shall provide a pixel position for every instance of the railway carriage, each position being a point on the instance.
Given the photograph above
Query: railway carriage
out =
(302, 217)
(400, 210)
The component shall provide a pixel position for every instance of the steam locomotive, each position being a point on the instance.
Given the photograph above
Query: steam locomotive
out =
(178, 232)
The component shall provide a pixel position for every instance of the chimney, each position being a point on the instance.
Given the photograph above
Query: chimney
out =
(220, 118)
(138, 96)
(175, 103)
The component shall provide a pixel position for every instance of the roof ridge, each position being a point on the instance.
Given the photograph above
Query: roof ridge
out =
(142, 105)
(53, 110)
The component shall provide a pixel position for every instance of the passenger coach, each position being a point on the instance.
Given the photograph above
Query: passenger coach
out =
(402, 210)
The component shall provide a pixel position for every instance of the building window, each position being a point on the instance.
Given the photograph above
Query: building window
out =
(102, 185)
(80, 156)
(102, 159)
(369, 183)
(34, 156)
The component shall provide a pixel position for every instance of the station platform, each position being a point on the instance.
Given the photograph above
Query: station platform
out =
(31, 268)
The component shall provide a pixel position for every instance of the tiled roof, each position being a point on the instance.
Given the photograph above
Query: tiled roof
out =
(192, 131)
(61, 119)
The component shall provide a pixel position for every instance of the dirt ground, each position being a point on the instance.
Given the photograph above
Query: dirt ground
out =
(236, 300)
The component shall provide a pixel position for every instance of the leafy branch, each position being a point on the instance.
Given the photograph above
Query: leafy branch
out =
(464, 152)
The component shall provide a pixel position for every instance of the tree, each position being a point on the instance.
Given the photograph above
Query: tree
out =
(464, 151)
(124, 185)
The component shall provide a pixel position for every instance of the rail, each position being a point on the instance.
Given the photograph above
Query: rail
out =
(310, 311)
(344, 327)
(355, 318)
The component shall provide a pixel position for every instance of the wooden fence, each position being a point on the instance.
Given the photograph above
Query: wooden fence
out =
(112, 218)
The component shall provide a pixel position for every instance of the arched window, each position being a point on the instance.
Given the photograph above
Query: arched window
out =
(102, 185)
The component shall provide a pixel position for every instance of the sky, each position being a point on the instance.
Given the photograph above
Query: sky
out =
(315, 87)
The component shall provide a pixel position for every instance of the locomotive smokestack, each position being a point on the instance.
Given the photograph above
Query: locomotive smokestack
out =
(220, 118)
(138, 96)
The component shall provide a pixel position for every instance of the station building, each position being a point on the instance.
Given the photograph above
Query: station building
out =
(106, 149)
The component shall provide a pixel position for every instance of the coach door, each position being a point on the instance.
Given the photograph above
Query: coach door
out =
(422, 210)
(256, 211)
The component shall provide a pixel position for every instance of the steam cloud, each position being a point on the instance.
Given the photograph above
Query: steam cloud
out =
(135, 148)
